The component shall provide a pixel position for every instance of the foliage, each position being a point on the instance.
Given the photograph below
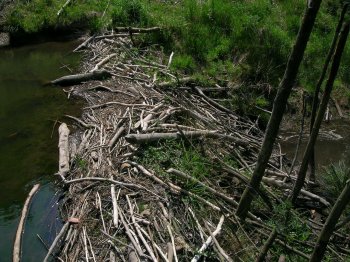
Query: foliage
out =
(334, 178)
(186, 158)
(224, 39)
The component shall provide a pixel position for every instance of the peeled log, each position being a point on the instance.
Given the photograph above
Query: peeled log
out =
(17, 245)
(79, 78)
(63, 146)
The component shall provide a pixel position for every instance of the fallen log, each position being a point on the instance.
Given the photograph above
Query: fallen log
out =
(63, 146)
(20, 228)
(154, 137)
(79, 78)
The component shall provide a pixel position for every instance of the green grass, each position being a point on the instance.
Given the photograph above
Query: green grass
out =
(230, 40)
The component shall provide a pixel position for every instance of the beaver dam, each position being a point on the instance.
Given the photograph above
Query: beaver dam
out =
(156, 166)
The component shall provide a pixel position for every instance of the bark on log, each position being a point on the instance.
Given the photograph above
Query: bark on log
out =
(329, 226)
(279, 106)
(79, 78)
(18, 241)
(63, 146)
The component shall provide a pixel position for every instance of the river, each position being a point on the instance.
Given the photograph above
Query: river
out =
(28, 141)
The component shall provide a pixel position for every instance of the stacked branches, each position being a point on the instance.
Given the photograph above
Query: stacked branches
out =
(129, 208)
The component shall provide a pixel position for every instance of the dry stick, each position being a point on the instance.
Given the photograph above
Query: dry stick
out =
(103, 61)
(172, 186)
(129, 234)
(138, 231)
(115, 209)
(85, 245)
(100, 207)
(63, 145)
(102, 87)
(325, 98)
(82, 122)
(155, 245)
(172, 243)
(212, 102)
(20, 228)
(117, 135)
(329, 226)
(63, 7)
(54, 243)
(91, 250)
(136, 29)
(200, 229)
(84, 44)
(280, 102)
(319, 84)
(208, 241)
(266, 247)
(219, 248)
(116, 103)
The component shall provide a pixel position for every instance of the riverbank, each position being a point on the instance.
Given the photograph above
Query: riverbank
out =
(159, 165)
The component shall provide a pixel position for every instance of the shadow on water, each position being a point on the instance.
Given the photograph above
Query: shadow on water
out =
(28, 140)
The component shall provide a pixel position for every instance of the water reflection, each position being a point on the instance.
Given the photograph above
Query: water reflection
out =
(28, 138)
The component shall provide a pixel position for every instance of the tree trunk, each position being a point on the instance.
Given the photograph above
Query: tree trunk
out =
(323, 106)
(318, 87)
(329, 226)
(280, 102)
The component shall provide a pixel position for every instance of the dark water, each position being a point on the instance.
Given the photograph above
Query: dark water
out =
(28, 140)
(327, 151)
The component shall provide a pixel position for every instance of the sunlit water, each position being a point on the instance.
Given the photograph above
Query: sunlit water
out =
(28, 141)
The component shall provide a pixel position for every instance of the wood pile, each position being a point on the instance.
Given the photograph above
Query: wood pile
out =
(117, 208)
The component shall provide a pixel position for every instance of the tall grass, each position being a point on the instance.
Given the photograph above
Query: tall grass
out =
(235, 40)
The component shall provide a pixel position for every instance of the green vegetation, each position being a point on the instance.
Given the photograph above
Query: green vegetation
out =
(334, 179)
(225, 40)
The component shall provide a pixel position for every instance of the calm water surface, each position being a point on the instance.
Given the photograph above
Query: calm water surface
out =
(327, 151)
(28, 141)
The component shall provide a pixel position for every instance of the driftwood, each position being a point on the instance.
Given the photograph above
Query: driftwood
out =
(20, 228)
(79, 78)
(63, 145)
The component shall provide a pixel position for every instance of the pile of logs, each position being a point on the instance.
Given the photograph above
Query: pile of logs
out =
(117, 207)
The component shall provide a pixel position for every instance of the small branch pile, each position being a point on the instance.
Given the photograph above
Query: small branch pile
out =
(118, 208)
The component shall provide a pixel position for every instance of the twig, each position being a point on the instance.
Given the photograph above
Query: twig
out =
(208, 241)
